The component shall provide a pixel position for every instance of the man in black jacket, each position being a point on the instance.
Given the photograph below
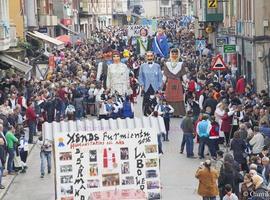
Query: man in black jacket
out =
(188, 128)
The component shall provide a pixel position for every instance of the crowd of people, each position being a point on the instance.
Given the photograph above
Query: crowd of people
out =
(103, 77)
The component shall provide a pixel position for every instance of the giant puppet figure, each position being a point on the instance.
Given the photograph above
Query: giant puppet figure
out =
(150, 78)
(118, 76)
(174, 74)
(143, 42)
(160, 43)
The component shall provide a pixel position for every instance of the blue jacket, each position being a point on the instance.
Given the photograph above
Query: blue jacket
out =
(127, 110)
(265, 131)
(163, 44)
(203, 128)
(151, 76)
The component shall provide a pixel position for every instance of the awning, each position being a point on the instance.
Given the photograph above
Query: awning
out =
(68, 29)
(17, 64)
(58, 44)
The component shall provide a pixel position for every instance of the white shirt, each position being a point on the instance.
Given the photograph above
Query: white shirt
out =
(118, 78)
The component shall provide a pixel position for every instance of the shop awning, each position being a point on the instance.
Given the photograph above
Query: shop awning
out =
(16, 64)
(58, 44)
(68, 29)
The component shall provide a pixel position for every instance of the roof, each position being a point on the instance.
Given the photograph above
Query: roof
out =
(17, 64)
(48, 129)
(59, 45)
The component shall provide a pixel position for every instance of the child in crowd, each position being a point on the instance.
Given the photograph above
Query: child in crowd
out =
(229, 194)
(23, 149)
(165, 110)
(135, 88)
(70, 112)
(128, 110)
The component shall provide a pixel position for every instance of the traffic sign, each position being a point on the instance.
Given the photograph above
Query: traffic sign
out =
(220, 41)
(200, 45)
(218, 63)
(229, 48)
(212, 3)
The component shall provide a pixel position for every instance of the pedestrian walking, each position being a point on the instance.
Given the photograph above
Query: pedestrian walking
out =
(11, 142)
(187, 126)
(45, 155)
(207, 176)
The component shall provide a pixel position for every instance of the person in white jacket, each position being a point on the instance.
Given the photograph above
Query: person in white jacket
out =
(257, 141)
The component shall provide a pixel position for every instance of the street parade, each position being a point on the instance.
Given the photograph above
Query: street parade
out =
(150, 109)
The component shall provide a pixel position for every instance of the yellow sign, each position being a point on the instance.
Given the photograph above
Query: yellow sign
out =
(212, 3)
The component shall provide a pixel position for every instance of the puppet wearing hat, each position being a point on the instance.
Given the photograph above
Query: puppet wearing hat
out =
(175, 73)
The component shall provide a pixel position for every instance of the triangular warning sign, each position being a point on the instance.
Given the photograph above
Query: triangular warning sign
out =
(218, 64)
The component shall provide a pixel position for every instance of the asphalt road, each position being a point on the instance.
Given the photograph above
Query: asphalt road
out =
(177, 173)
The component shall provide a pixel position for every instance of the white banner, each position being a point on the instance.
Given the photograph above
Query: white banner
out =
(150, 25)
(91, 164)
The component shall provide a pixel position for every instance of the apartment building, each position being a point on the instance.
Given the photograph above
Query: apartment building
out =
(253, 40)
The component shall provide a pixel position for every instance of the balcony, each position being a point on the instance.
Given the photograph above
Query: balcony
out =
(47, 20)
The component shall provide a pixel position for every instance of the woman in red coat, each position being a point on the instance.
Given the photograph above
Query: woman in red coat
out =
(240, 85)
(226, 125)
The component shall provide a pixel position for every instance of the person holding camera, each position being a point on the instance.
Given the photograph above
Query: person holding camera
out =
(45, 154)
(207, 177)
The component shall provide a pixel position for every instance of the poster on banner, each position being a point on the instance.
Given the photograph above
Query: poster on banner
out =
(99, 162)
(150, 25)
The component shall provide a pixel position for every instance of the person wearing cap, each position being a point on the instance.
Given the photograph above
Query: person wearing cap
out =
(143, 42)
(174, 75)
(150, 79)
(102, 68)
(160, 44)
(207, 177)
(118, 76)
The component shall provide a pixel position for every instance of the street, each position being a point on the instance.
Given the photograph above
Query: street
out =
(177, 173)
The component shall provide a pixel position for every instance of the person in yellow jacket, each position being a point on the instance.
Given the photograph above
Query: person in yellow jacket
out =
(208, 177)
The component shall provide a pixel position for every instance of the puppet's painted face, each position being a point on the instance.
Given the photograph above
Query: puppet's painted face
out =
(149, 56)
(174, 56)
(160, 31)
(116, 58)
(143, 32)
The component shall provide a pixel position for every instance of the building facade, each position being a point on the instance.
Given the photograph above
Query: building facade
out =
(253, 39)
(4, 25)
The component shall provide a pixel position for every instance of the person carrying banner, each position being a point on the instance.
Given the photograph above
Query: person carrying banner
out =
(160, 44)
(143, 42)
(150, 79)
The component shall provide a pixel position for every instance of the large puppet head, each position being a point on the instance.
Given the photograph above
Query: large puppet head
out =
(116, 57)
(143, 32)
(174, 55)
